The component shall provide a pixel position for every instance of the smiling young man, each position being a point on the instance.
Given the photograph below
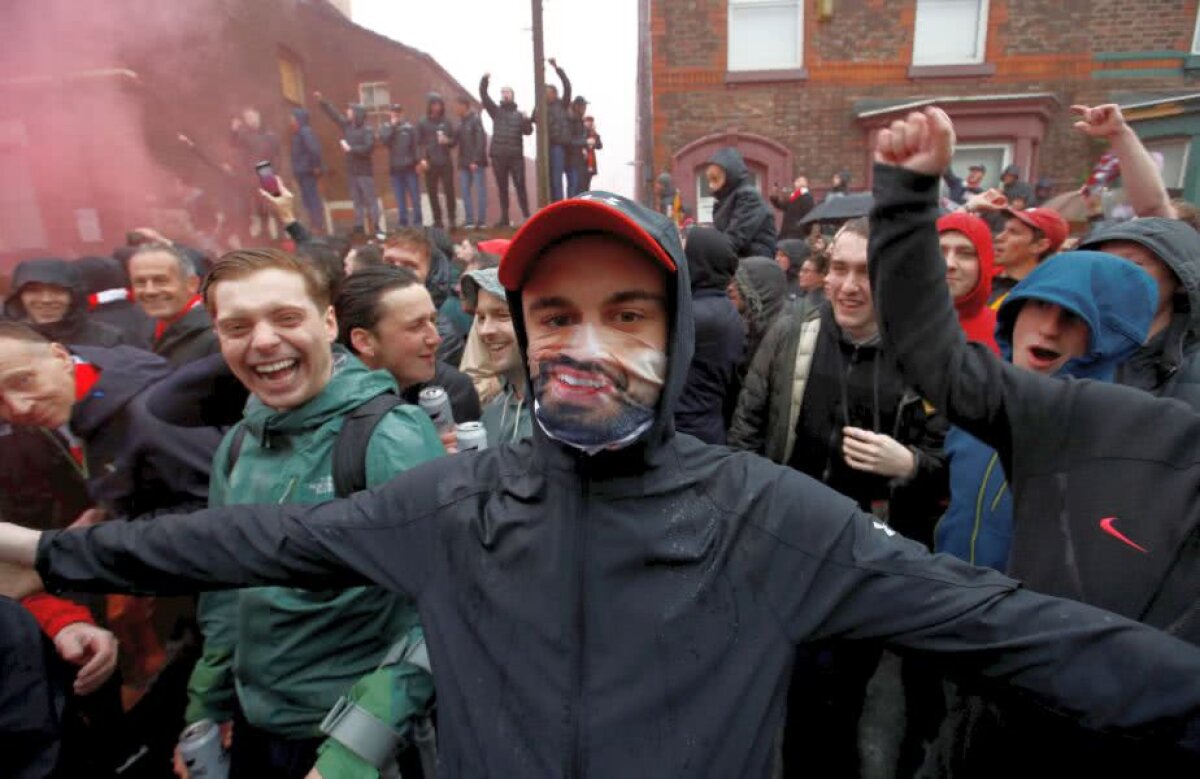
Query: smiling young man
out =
(966, 244)
(47, 294)
(507, 417)
(1028, 237)
(166, 286)
(595, 596)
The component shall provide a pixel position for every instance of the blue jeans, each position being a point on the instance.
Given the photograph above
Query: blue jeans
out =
(469, 183)
(407, 184)
(558, 167)
(362, 192)
(310, 196)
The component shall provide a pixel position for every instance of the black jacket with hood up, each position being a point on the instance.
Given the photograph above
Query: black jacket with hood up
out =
(1168, 365)
(400, 138)
(740, 210)
(436, 154)
(472, 142)
(509, 127)
(306, 147)
(710, 391)
(1083, 458)
(76, 327)
(358, 136)
(110, 300)
(636, 612)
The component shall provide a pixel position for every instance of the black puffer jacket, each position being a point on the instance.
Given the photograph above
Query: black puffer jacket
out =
(400, 138)
(740, 210)
(711, 388)
(76, 327)
(110, 300)
(472, 142)
(1169, 364)
(558, 112)
(435, 121)
(509, 127)
(595, 615)
(188, 338)
(358, 135)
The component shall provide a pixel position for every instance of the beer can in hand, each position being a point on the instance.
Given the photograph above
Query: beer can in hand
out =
(436, 403)
(200, 747)
(471, 436)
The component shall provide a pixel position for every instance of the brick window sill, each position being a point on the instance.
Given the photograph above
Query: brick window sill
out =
(952, 71)
(765, 76)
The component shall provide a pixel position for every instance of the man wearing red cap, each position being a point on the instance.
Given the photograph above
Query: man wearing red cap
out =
(1028, 237)
(966, 244)
(609, 598)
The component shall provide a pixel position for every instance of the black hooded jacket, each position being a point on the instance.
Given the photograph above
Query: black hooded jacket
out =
(509, 127)
(306, 147)
(472, 142)
(740, 210)
(558, 112)
(76, 327)
(188, 338)
(794, 208)
(636, 612)
(110, 300)
(400, 138)
(436, 154)
(358, 135)
(711, 388)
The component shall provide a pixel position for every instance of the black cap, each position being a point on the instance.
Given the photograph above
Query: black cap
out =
(579, 100)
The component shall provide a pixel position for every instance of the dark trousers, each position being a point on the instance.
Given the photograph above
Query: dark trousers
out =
(505, 168)
(435, 179)
(310, 195)
(257, 754)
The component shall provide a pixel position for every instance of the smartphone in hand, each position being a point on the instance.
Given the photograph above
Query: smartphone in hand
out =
(267, 178)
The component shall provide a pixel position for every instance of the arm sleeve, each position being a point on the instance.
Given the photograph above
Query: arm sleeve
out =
(402, 440)
(748, 429)
(954, 184)
(566, 86)
(599, 143)
(974, 388)
(489, 105)
(854, 578)
(54, 614)
(744, 221)
(211, 693)
(332, 113)
(298, 232)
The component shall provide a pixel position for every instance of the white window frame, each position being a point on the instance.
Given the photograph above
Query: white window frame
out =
(377, 110)
(980, 40)
(1008, 147)
(1151, 143)
(733, 7)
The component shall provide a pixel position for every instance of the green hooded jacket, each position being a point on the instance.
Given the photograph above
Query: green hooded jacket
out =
(289, 653)
(507, 418)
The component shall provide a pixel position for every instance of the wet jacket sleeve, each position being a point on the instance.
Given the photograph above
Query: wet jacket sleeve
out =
(855, 578)
(333, 114)
(54, 614)
(566, 86)
(974, 388)
(210, 692)
(749, 428)
(745, 219)
(489, 105)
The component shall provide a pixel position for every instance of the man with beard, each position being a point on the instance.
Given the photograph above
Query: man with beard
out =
(597, 595)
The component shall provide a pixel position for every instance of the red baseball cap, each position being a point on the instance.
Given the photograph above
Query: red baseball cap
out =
(592, 212)
(1047, 220)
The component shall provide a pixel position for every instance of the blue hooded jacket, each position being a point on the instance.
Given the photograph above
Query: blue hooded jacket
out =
(1117, 300)
(306, 148)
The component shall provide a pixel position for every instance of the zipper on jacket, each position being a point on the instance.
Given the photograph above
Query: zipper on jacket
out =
(579, 538)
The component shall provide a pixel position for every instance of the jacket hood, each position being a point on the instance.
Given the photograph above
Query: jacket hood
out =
(351, 384)
(440, 280)
(680, 346)
(98, 274)
(1114, 297)
(763, 285)
(980, 236)
(1172, 241)
(434, 99)
(301, 116)
(48, 270)
(797, 251)
(359, 112)
(668, 187)
(1020, 190)
(125, 372)
(730, 159)
(710, 258)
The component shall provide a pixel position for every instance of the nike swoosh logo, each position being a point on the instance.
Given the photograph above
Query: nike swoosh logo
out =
(1106, 525)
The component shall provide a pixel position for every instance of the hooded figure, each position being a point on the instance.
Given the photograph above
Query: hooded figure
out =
(665, 192)
(978, 320)
(596, 613)
(740, 210)
(842, 187)
(711, 388)
(797, 251)
(60, 279)
(110, 300)
(440, 283)
(435, 138)
(1168, 365)
(307, 167)
(1112, 300)
(359, 145)
(762, 289)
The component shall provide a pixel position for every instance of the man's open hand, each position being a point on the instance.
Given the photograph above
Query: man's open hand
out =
(1102, 121)
(93, 648)
(923, 142)
(877, 453)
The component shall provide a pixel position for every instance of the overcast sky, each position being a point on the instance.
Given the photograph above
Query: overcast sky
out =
(595, 42)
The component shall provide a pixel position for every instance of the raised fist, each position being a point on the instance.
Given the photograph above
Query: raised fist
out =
(1102, 121)
(923, 142)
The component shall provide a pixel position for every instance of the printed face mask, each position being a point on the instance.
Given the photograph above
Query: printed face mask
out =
(595, 388)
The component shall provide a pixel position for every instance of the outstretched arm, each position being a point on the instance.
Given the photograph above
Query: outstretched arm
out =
(489, 105)
(1140, 177)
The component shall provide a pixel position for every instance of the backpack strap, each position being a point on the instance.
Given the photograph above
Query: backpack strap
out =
(350, 448)
(235, 448)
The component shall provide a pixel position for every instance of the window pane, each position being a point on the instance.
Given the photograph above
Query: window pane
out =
(1174, 153)
(764, 36)
(948, 32)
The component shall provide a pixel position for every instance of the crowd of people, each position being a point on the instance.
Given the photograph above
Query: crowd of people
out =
(624, 495)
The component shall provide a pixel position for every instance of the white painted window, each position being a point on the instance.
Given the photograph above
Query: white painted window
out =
(994, 157)
(766, 34)
(375, 97)
(950, 32)
(1174, 153)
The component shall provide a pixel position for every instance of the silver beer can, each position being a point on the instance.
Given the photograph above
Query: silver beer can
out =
(471, 436)
(202, 753)
(436, 403)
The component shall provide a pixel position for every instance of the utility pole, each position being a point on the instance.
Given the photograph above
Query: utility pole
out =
(542, 110)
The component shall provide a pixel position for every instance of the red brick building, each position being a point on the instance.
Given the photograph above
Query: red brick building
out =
(801, 86)
(93, 95)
